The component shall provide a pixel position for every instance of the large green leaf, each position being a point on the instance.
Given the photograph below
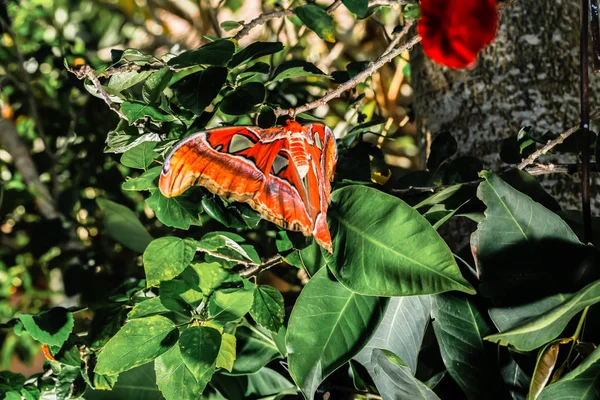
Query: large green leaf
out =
(155, 84)
(264, 384)
(141, 156)
(538, 330)
(583, 383)
(199, 346)
(146, 181)
(297, 68)
(148, 307)
(254, 350)
(196, 91)
(328, 326)
(520, 246)
(268, 307)
(136, 384)
(218, 52)
(459, 328)
(167, 257)
(226, 356)
(124, 226)
(506, 317)
(135, 111)
(51, 327)
(243, 99)
(395, 381)
(176, 212)
(401, 331)
(125, 80)
(227, 305)
(383, 247)
(317, 20)
(174, 378)
(138, 342)
(358, 7)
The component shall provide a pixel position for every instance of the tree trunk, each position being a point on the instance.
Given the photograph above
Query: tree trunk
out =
(528, 76)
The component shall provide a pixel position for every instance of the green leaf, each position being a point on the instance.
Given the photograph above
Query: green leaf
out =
(167, 257)
(268, 308)
(212, 275)
(51, 327)
(411, 11)
(401, 331)
(231, 25)
(199, 347)
(519, 247)
(383, 247)
(328, 326)
(227, 305)
(254, 51)
(136, 384)
(137, 111)
(459, 328)
(506, 317)
(140, 156)
(317, 20)
(540, 329)
(196, 91)
(155, 84)
(396, 382)
(11, 380)
(226, 356)
(175, 212)
(137, 342)
(515, 379)
(265, 384)
(254, 350)
(66, 384)
(174, 379)
(148, 307)
(124, 226)
(218, 52)
(581, 383)
(358, 7)
(243, 99)
(146, 181)
(295, 69)
(221, 246)
(125, 80)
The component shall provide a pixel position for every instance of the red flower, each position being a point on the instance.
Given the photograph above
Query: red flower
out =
(454, 31)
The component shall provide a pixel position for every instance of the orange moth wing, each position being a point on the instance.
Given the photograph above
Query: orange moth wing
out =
(284, 173)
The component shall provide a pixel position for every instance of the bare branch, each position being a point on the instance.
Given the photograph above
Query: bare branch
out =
(545, 169)
(255, 269)
(389, 55)
(553, 143)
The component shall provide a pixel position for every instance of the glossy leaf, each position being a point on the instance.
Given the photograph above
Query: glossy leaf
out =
(140, 156)
(581, 383)
(155, 84)
(227, 305)
(243, 99)
(175, 212)
(136, 111)
(221, 246)
(124, 226)
(254, 350)
(383, 247)
(199, 347)
(401, 331)
(218, 52)
(174, 378)
(148, 307)
(51, 327)
(255, 50)
(268, 307)
(538, 330)
(506, 317)
(520, 245)
(196, 91)
(459, 328)
(167, 257)
(296, 68)
(317, 20)
(137, 342)
(146, 181)
(396, 382)
(125, 80)
(328, 326)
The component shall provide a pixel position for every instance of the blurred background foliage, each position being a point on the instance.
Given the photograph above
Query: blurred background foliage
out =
(53, 250)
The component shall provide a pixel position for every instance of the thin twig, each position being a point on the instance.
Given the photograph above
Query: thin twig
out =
(553, 143)
(584, 85)
(545, 169)
(255, 269)
(389, 55)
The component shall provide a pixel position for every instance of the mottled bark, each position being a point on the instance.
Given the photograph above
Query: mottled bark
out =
(529, 76)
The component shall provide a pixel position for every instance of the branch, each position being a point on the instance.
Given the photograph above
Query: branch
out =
(553, 143)
(255, 269)
(10, 140)
(388, 55)
(266, 17)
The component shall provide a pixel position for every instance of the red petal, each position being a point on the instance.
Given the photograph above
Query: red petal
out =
(454, 31)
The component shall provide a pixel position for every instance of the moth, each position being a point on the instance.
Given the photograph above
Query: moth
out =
(284, 172)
